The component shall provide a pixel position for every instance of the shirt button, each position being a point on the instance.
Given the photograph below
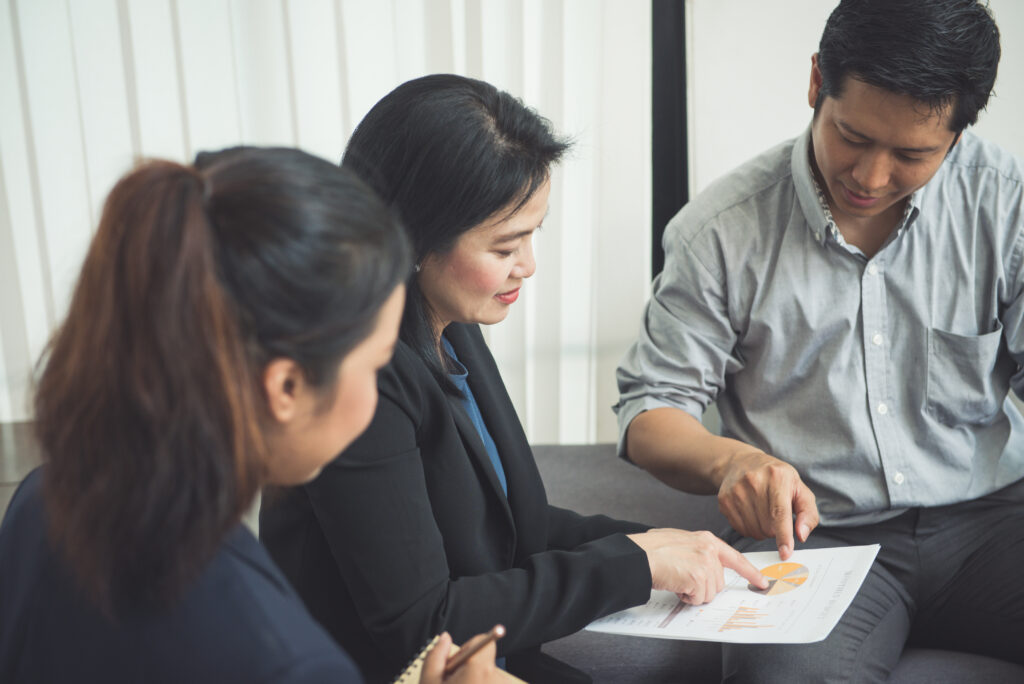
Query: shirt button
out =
(872, 269)
(898, 478)
(883, 409)
(877, 338)
(817, 236)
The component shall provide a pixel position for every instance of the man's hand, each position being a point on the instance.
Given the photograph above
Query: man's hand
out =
(760, 495)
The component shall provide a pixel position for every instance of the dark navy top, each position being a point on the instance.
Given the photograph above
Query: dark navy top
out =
(239, 621)
(460, 378)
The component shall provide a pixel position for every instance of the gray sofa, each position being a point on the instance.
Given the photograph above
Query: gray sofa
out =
(592, 479)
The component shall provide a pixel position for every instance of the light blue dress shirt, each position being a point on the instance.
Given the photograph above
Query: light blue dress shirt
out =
(884, 381)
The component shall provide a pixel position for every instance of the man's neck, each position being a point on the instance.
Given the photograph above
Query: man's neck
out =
(871, 233)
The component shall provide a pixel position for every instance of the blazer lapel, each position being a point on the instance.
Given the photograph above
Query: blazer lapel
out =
(476, 450)
(526, 496)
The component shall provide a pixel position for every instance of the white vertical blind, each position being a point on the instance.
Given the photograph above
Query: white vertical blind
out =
(90, 85)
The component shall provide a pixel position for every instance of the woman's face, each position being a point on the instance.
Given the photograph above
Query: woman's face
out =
(319, 427)
(479, 278)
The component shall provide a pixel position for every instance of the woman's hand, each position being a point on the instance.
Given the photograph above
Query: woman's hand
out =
(691, 564)
(479, 669)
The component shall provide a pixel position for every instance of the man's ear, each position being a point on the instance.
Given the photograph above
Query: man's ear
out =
(816, 81)
(283, 383)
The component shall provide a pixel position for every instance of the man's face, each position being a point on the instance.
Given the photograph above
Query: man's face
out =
(873, 148)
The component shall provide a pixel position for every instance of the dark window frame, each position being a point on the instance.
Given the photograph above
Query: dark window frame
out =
(669, 145)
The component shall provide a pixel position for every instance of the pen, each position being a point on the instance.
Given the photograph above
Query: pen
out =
(467, 652)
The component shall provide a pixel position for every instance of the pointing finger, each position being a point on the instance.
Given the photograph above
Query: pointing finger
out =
(806, 510)
(731, 558)
(781, 518)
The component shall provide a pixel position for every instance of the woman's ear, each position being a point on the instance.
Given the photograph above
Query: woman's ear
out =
(284, 384)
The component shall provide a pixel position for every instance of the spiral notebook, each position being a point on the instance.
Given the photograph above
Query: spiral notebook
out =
(411, 674)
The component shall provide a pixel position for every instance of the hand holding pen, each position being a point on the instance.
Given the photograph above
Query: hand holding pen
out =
(472, 664)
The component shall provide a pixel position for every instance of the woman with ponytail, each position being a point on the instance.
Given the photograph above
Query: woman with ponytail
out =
(224, 334)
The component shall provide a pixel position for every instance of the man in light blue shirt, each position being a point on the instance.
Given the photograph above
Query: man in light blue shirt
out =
(853, 299)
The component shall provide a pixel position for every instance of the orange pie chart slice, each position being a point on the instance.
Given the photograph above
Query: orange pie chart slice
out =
(782, 577)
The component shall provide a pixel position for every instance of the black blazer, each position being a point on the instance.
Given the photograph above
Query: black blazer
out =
(407, 532)
(238, 622)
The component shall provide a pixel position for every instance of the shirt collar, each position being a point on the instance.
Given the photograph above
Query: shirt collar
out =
(459, 372)
(812, 201)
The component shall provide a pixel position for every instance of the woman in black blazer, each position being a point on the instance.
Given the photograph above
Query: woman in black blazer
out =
(440, 500)
(197, 362)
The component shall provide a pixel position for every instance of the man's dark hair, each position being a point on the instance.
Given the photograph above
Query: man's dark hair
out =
(939, 52)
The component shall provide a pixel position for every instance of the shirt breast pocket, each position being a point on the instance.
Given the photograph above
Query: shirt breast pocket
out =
(967, 381)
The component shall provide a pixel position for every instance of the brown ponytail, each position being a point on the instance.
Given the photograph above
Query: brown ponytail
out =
(146, 390)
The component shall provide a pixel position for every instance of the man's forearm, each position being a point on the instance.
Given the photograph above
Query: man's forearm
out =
(677, 449)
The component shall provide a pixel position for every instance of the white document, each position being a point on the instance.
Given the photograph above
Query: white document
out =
(808, 594)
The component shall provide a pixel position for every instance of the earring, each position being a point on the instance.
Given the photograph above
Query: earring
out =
(416, 267)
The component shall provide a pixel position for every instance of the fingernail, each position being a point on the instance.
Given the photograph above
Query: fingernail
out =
(783, 550)
(803, 531)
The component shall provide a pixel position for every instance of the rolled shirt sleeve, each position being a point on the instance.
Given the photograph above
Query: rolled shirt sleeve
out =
(686, 343)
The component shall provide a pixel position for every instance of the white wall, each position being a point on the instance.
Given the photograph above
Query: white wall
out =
(749, 67)
(90, 85)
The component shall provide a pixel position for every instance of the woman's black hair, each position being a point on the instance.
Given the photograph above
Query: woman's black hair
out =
(307, 254)
(149, 405)
(939, 52)
(448, 152)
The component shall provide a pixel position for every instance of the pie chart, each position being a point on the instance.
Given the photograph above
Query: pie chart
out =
(782, 577)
